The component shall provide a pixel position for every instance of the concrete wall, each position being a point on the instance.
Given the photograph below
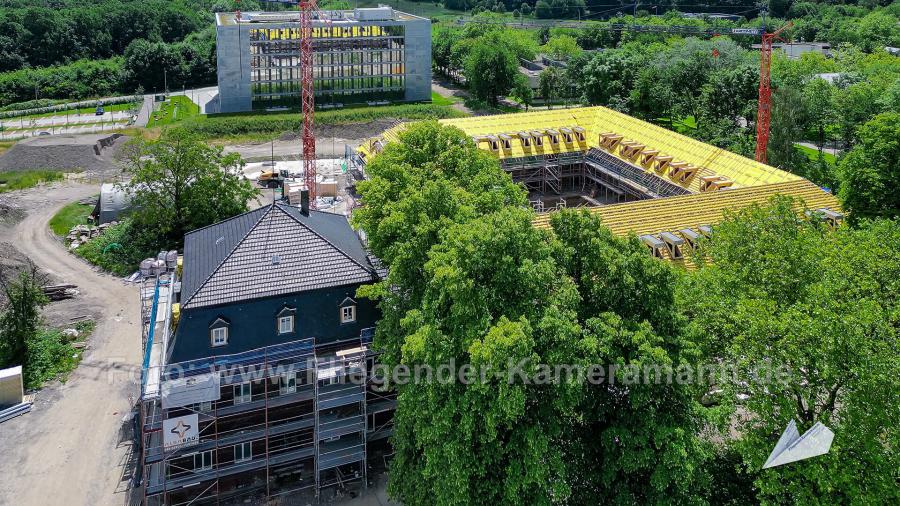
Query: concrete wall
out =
(253, 323)
(418, 60)
(233, 68)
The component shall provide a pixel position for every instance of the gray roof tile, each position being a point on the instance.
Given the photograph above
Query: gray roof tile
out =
(271, 251)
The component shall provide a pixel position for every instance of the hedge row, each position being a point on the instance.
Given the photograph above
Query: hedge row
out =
(225, 125)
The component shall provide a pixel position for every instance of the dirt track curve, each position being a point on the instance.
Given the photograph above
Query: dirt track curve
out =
(73, 448)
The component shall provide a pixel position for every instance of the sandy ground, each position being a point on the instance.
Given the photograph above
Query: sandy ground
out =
(74, 447)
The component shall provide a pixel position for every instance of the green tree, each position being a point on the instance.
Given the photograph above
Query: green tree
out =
(626, 445)
(807, 319)
(21, 318)
(870, 173)
(179, 184)
(562, 47)
(549, 84)
(490, 68)
(788, 124)
(523, 91)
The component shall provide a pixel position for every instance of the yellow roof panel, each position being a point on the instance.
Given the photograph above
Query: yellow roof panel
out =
(712, 161)
(671, 214)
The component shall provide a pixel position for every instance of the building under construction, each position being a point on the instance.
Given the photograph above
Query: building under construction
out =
(257, 372)
(641, 178)
(367, 55)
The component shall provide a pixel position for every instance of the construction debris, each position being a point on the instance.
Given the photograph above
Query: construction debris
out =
(81, 234)
(60, 292)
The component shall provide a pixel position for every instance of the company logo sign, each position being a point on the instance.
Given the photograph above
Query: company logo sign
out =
(180, 431)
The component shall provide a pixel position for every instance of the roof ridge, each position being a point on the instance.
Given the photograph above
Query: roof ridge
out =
(225, 259)
(226, 220)
(369, 269)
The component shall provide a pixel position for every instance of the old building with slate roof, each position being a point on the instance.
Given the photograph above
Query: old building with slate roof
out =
(257, 374)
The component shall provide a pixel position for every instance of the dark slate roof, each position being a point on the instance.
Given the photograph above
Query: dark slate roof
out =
(273, 250)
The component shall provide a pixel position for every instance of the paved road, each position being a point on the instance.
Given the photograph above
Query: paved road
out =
(70, 450)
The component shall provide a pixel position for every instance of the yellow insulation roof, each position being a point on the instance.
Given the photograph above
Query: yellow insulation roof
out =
(712, 161)
(671, 214)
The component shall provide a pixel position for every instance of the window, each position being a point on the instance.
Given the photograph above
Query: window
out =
(288, 383)
(205, 406)
(243, 452)
(348, 314)
(219, 336)
(285, 324)
(242, 393)
(203, 460)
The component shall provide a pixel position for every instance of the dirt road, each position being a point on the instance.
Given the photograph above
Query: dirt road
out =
(72, 447)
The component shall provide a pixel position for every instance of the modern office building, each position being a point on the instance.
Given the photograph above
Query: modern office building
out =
(371, 55)
(256, 382)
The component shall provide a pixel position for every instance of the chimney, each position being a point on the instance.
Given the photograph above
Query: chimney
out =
(304, 201)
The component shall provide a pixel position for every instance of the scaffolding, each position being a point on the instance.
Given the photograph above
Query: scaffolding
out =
(285, 421)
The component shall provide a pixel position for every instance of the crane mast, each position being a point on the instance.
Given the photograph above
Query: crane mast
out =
(308, 8)
(764, 110)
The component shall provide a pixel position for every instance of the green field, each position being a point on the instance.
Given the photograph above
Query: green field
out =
(813, 154)
(69, 216)
(176, 109)
(20, 180)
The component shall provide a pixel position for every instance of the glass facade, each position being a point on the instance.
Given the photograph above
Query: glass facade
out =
(359, 63)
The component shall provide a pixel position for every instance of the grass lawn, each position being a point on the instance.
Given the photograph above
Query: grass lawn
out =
(813, 154)
(4, 145)
(69, 216)
(438, 99)
(177, 108)
(20, 180)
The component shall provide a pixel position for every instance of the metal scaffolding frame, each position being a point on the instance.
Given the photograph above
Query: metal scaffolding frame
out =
(305, 436)
(586, 172)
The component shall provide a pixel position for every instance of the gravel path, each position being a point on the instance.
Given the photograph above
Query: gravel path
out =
(72, 448)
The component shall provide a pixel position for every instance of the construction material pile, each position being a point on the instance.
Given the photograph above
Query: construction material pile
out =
(81, 234)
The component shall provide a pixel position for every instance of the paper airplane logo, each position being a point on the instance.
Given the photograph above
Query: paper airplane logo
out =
(792, 447)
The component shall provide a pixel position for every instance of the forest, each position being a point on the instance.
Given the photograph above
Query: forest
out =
(68, 49)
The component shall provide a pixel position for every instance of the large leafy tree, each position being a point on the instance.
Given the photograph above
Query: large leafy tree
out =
(631, 442)
(179, 184)
(491, 68)
(808, 317)
(471, 283)
(870, 174)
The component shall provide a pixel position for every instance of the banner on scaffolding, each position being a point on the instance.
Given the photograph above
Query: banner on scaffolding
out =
(190, 390)
(180, 431)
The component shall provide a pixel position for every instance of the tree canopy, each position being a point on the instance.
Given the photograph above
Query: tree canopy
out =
(179, 184)
(812, 314)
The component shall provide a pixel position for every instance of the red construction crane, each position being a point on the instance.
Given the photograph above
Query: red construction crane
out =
(308, 8)
(764, 112)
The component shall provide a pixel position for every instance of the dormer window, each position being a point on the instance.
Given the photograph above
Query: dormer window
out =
(285, 324)
(284, 321)
(218, 333)
(348, 310)
(348, 314)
